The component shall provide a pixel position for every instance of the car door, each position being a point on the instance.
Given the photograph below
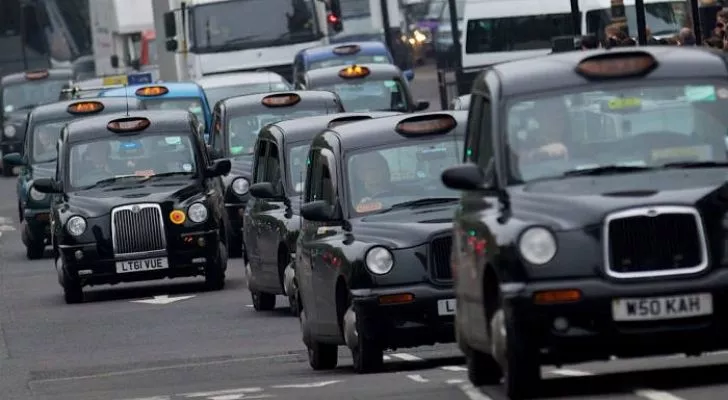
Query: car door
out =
(268, 220)
(251, 222)
(305, 245)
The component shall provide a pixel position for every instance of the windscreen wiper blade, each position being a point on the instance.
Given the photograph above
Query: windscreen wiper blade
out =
(696, 164)
(606, 170)
(424, 202)
(114, 179)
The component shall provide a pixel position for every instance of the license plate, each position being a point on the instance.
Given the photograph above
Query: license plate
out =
(661, 308)
(149, 264)
(446, 307)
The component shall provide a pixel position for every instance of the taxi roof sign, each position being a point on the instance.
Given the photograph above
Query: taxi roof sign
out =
(151, 91)
(346, 49)
(85, 107)
(426, 125)
(35, 75)
(281, 100)
(617, 65)
(354, 71)
(128, 125)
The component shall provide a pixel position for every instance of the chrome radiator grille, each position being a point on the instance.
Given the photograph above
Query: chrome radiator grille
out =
(440, 248)
(137, 228)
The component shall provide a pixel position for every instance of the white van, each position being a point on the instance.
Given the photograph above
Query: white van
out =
(664, 18)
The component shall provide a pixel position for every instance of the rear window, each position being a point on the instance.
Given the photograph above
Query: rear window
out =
(348, 60)
(191, 104)
(533, 32)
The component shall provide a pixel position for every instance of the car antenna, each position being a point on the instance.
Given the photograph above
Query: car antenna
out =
(126, 96)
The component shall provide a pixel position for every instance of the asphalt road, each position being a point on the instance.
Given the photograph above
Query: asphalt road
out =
(170, 340)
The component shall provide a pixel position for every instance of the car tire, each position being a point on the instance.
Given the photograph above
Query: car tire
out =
(322, 356)
(72, 290)
(293, 303)
(368, 356)
(235, 246)
(215, 273)
(34, 250)
(263, 301)
(7, 169)
(517, 358)
(20, 213)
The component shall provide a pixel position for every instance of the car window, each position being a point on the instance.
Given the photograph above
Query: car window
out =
(380, 178)
(516, 33)
(219, 93)
(336, 61)
(141, 156)
(45, 138)
(191, 104)
(26, 95)
(273, 166)
(637, 125)
(371, 95)
(260, 161)
(297, 166)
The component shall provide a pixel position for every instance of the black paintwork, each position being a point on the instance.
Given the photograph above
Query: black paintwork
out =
(327, 289)
(271, 225)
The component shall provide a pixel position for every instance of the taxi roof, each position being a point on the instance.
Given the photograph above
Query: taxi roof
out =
(54, 74)
(557, 71)
(321, 97)
(304, 129)
(379, 131)
(239, 78)
(368, 48)
(330, 75)
(89, 128)
(60, 109)
(176, 89)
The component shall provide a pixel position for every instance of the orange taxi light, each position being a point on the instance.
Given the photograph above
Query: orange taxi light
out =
(426, 125)
(34, 75)
(151, 91)
(557, 296)
(617, 65)
(346, 49)
(396, 298)
(281, 100)
(85, 107)
(177, 217)
(129, 124)
(354, 71)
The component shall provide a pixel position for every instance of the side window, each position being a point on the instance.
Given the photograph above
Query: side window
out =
(260, 161)
(216, 134)
(327, 181)
(313, 183)
(472, 130)
(273, 166)
(485, 132)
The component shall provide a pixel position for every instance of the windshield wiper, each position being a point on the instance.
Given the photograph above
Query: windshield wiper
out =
(288, 35)
(606, 170)
(696, 164)
(424, 202)
(232, 42)
(167, 174)
(115, 179)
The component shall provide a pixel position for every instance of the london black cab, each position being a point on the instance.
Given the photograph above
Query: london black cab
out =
(21, 92)
(593, 216)
(38, 160)
(136, 199)
(235, 127)
(373, 253)
(272, 220)
(366, 87)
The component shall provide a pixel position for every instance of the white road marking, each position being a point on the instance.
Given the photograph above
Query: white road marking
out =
(249, 306)
(656, 395)
(418, 378)
(164, 299)
(386, 358)
(223, 392)
(305, 385)
(240, 397)
(455, 381)
(407, 357)
(473, 393)
(7, 228)
(454, 368)
(152, 398)
(570, 372)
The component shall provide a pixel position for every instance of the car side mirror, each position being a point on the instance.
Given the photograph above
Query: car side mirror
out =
(114, 60)
(213, 152)
(218, 168)
(465, 177)
(170, 25)
(14, 159)
(409, 74)
(264, 190)
(422, 105)
(47, 185)
(319, 210)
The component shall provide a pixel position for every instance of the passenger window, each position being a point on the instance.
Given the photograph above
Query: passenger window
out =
(217, 139)
(485, 141)
(260, 161)
(273, 167)
(327, 183)
(472, 131)
(313, 184)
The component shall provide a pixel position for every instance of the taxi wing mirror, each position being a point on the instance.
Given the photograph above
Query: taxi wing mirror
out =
(465, 177)
(422, 105)
(264, 190)
(319, 210)
(213, 152)
(13, 159)
(218, 168)
(47, 185)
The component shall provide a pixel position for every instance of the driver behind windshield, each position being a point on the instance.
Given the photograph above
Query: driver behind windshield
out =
(45, 143)
(372, 175)
(96, 164)
(243, 135)
(547, 141)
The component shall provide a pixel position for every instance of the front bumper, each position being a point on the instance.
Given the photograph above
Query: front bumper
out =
(410, 324)
(86, 263)
(592, 332)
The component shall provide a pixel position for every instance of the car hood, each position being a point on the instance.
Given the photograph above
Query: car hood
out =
(97, 202)
(404, 228)
(584, 201)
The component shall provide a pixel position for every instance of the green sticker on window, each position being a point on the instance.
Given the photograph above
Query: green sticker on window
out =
(390, 84)
(237, 149)
(173, 140)
(700, 93)
(380, 59)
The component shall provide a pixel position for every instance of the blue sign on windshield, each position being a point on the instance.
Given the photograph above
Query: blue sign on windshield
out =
(139, 79)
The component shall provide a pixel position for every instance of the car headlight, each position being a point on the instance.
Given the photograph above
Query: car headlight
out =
(9, 131)
(379, 260)
(537, 245)
(36, 195)
(76, 225)
(241, 186)
(197, 213)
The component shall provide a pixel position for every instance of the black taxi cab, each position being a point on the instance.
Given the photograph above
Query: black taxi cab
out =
(137, 199)
(235, 127)
(272, 219)
(19, 93)
(38, 160)
(580, 240)
(372, 263)
(366, 87)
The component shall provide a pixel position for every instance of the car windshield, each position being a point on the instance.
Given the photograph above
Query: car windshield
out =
(664, 18)
(29, 94)
(191, 104)
(435, 9)
(136, 157)
(297, 155)
(244, 129)
(219, 93)
(337, 61)
(381, 178)
(551, 135)
(45, 138)
(532, 32)
(371, 95)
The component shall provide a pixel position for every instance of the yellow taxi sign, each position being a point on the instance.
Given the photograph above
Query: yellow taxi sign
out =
(354, 71)
(616, 65)
(426, 125)
(151, 91)
(114, 80)
(85, 107)
(177, 217)
(129, 124)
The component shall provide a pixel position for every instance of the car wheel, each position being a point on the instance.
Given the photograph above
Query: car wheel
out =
(235, 246)
(7, 169)
(518, 360)
(293, 302)
(20, 213)
(368, 356)
(215, 272)
(34, 250)
(263, 301)
(72, 290)
(322, 356)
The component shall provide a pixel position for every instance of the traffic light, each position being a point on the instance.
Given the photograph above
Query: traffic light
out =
(333, 16)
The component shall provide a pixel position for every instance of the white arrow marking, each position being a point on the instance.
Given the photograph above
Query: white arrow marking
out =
(6, 228)
(454, 368)
(164, 299)
(418, 378)
(305, 385)
(223, 392)
(240, 397)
